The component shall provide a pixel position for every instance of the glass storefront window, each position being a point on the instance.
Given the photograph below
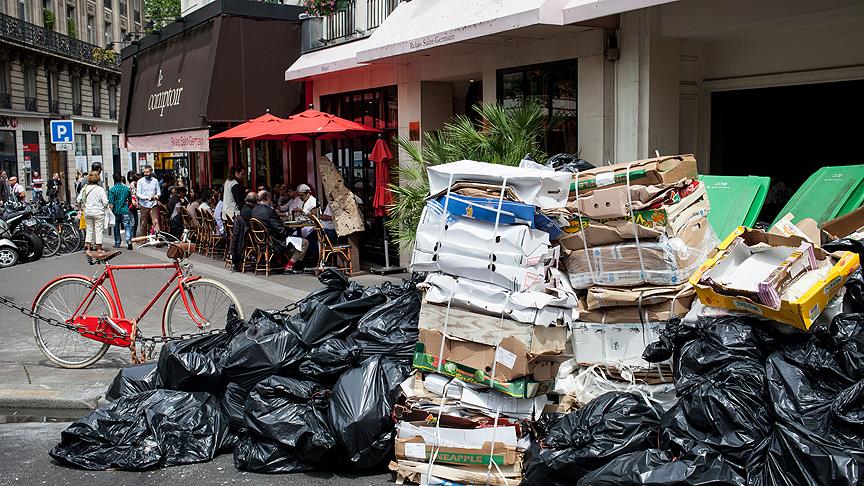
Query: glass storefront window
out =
(8, 153)
(554, 86)
(80, 145)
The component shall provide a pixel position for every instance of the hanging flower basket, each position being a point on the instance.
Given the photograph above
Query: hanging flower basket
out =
(323, 8)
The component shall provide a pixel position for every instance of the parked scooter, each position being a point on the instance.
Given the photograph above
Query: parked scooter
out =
(21, 230)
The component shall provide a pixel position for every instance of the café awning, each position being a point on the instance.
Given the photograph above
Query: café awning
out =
(577, 11)
(326, 61)
(419, 25)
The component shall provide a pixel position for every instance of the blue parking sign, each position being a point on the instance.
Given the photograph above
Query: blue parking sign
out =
(62, 131)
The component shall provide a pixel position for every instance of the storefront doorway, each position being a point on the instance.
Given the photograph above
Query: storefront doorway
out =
(786, 133)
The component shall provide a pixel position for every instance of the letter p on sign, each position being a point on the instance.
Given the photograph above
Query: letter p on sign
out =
(62, 131)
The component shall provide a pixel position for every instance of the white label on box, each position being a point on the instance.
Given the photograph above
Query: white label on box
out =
(505, 357)
(605, 178)
(415, 450)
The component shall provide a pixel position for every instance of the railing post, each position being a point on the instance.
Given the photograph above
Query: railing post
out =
(361, 15)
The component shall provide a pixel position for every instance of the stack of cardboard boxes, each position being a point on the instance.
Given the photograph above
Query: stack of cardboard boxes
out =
(493, 323)
(637, 232)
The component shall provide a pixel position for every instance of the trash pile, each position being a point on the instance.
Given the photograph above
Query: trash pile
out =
(493, 322)
(637, 232)
(583, 327)
(285, 392)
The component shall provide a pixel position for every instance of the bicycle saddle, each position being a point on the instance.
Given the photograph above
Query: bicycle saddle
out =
(97, 257)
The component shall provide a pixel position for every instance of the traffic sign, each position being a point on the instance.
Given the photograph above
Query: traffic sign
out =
(62, 131)
(64, 147)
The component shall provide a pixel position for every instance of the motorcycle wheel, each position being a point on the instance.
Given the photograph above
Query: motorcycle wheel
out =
(8, 257)
(50, 238)
(30, 246)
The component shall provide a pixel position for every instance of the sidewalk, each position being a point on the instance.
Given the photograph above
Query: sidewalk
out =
(30, 385)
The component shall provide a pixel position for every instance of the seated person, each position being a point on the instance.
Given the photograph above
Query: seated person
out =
(248, 204)
(265, 213)
(176, 204)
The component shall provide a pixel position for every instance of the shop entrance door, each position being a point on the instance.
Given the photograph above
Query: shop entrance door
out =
(786, 133)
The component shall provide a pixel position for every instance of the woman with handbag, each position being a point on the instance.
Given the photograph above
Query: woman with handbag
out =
(93, 202)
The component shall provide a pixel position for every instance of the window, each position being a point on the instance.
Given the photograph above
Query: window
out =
(91, 32)
(109, 35)
(96, 144)
(76, 95)
(107, 4)
(112, 101)
(123, 8)
(552, 85)
(22, 10)
(97, 98)
(30, 88)
(80, 145)
(4, 77)
(53, 92)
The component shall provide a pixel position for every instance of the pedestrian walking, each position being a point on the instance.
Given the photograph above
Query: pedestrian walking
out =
(5, 189)
(37, 186)
(18, 192)
(132, 178)
(53, 186)
(148, 202)
(120, 198)
(93, 201)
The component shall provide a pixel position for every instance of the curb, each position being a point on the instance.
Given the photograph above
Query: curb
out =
(50, 401)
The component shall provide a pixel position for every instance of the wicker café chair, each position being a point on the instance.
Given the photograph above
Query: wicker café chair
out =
(202, 235)
(229, 234)
(189, 225)
(215, 241)
(261, 242)
(332, 253)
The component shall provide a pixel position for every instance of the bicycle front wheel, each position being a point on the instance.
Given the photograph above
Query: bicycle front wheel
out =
(65, 347)
(50, 238)
(207, 300)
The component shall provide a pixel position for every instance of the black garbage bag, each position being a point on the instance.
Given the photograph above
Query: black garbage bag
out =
(336, 288)
(264, 349)
(657, 467)
(193, 364)
(568, 163)
(848, 339)
(337, 320)
(612, 424)
(391, 328)
(361, 407)
(727, 412)
(818, 433)
(134, 379)
(328, 361)
(148, 430)
(286, 427)
(853, 299)
(673, 335)
(233, 402)
(394, 290)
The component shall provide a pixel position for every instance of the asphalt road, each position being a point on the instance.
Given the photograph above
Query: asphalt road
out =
(28, 380)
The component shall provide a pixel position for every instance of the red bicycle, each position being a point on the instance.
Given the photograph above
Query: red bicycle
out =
(95, 320)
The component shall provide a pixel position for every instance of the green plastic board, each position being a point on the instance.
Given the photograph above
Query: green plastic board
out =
(735, 201)
(828, 193)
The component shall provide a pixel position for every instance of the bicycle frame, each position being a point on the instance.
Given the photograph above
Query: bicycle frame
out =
(117, 303)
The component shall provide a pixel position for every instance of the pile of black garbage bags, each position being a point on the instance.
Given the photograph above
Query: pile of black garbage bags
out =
(285, 392)
(759, 403)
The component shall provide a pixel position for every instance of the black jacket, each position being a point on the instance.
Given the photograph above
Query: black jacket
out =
(268, 216)
(245, 212)
(238, 238)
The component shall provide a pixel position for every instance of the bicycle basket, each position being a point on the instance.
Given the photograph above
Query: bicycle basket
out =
(178, 251)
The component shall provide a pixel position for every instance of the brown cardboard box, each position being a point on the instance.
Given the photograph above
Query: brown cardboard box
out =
(659, 170)
(602, 297)
(515, 360)
(464, 456)
(843, 226)
(631, 314)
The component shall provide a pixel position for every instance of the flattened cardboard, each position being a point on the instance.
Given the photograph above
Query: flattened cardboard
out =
(631, 314)
(496, 452)
(600, 297)
(659, 170)
(615, 346)
(843, 226)
(510, 277)
(801, 312)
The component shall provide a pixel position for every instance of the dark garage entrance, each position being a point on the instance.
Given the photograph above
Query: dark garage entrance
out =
(786, 133)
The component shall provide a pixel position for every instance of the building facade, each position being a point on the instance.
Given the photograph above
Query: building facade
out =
(749, 87)
(58, 60)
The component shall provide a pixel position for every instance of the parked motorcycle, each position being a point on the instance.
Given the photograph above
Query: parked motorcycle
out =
(20, 228)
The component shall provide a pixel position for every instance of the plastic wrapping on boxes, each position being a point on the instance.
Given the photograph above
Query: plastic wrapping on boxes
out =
(667, 261)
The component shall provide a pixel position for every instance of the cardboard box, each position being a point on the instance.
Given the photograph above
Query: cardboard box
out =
(488, 330)
(500, 454)
(632, 314)
(668, 261)
(657, 171)
(511, 277)
(601, 297)
(615, 346)
(542, 188)
(524, 387)
(800, 312)
(417, 472)
(843, 226)
(612, 202)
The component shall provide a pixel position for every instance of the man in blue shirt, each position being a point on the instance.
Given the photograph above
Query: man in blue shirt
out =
(148, 202)
(119, 199)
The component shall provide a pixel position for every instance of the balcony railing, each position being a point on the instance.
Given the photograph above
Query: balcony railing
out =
(340, 24)
(30, 104)
(377, 11)
(53, 106)
(31, 35)
(76, 109)
(5, 100)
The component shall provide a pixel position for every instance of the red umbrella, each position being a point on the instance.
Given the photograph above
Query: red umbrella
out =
(383, 196)
(313, 125)
(250, 127)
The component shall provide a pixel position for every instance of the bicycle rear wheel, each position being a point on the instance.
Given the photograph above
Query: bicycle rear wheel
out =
(208, 300)
(50, 238)
(70, 238)
(65, 347)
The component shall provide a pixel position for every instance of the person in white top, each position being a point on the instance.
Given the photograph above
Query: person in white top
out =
(93, 201)
(310, 207)
(148, 193)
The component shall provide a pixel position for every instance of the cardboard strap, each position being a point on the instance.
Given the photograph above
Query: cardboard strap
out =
(633, 221)
(582, 230)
